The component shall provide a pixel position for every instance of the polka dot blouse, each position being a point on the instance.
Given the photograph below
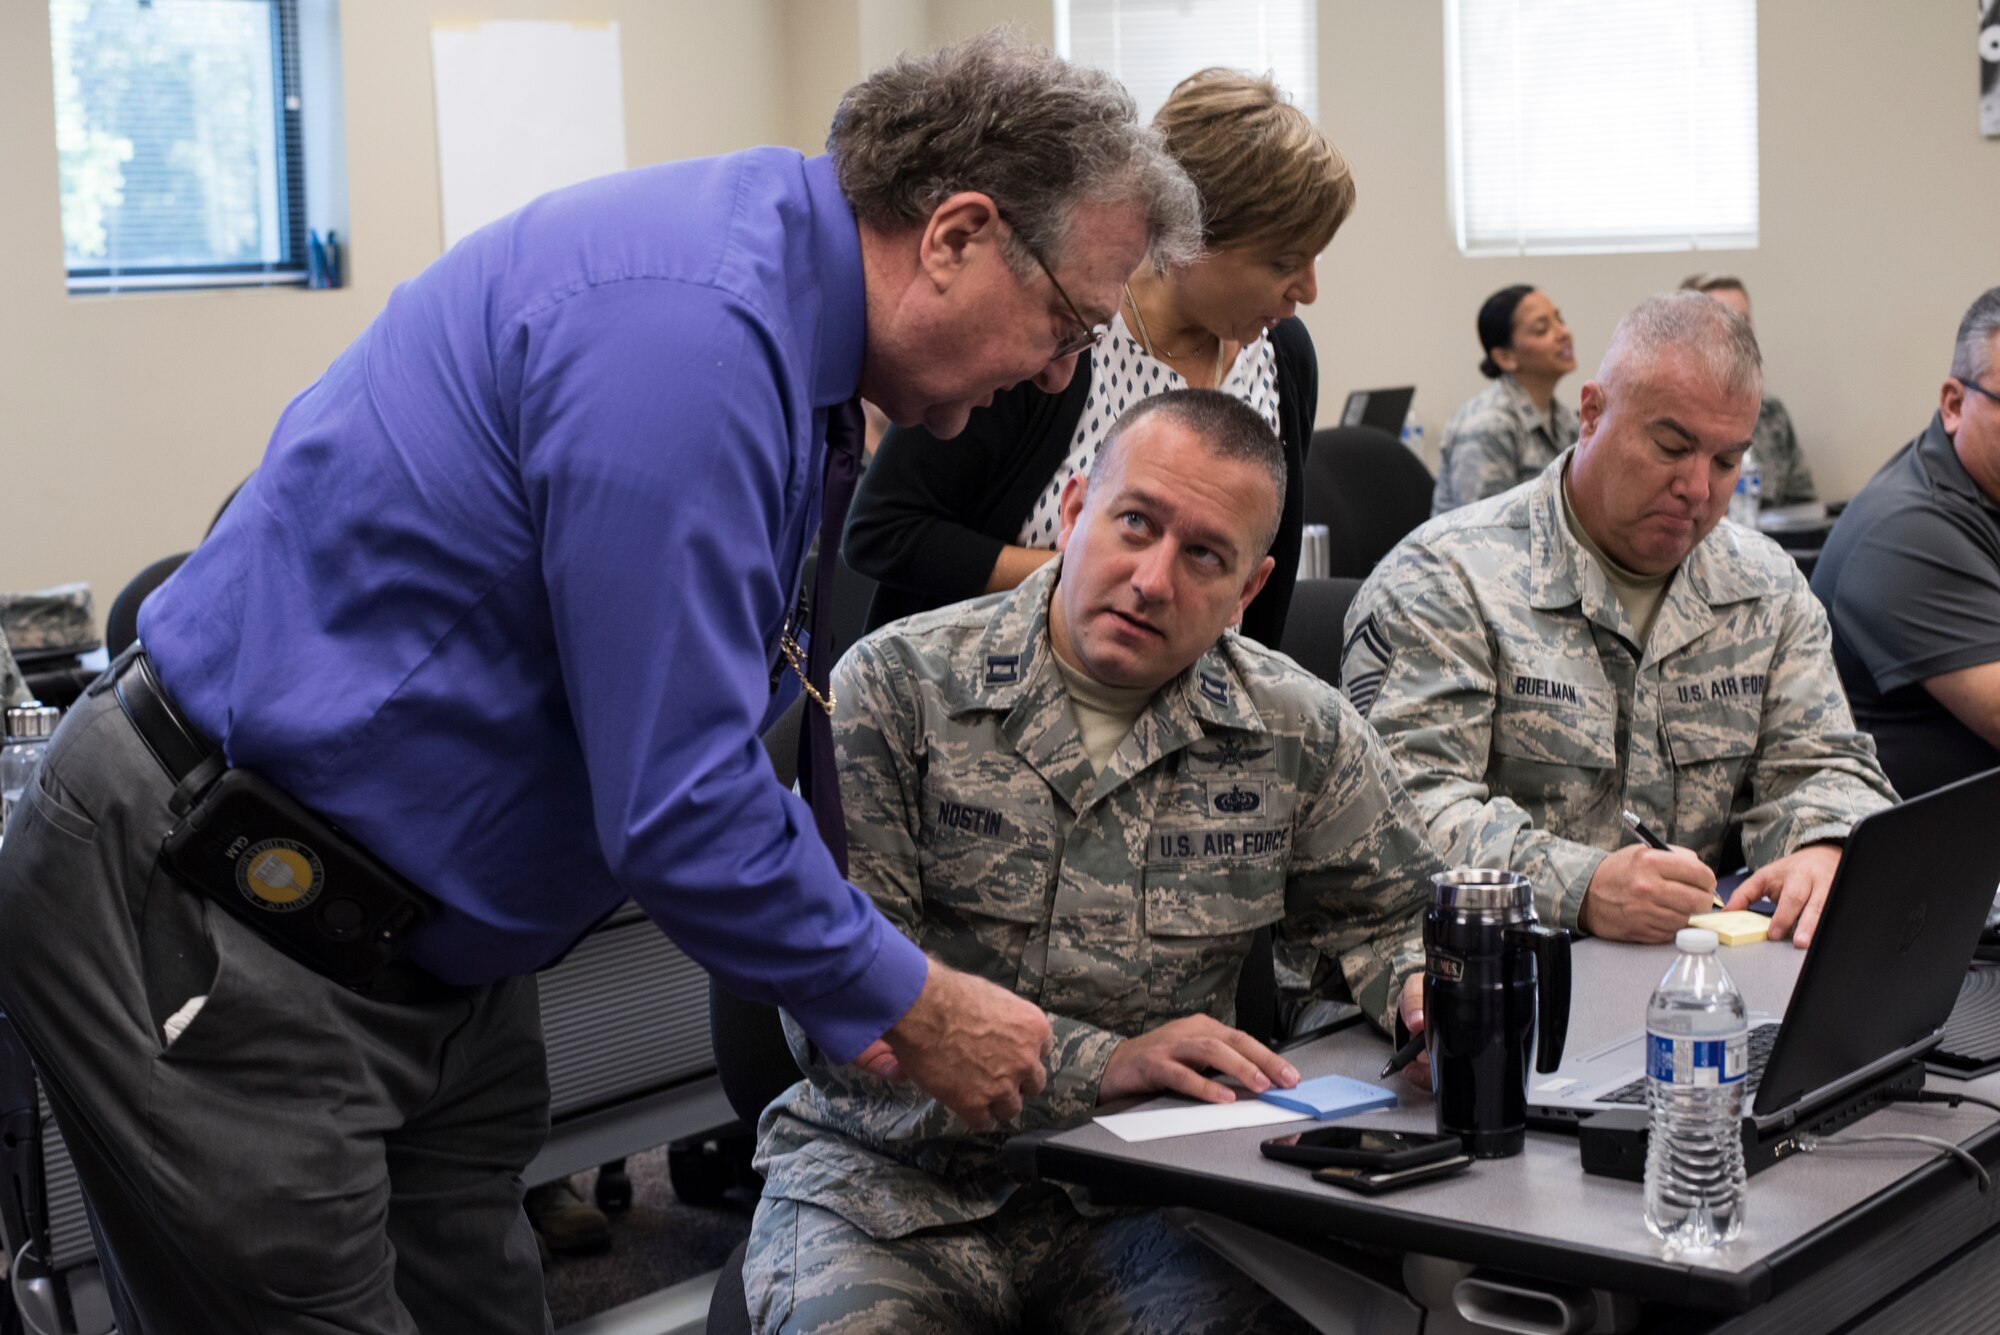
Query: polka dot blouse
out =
(1121, 374)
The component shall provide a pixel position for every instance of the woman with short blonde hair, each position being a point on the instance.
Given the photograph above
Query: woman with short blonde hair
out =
(935, 525)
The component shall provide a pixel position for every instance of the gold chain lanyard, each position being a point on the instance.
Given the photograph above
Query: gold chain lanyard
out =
(788, 645)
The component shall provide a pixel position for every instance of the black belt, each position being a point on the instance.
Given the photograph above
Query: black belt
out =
(174, 742)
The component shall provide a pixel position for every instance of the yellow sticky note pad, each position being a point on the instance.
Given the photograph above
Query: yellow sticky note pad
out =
(1734, 929)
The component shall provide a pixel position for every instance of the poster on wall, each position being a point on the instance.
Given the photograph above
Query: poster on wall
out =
(1989, 68)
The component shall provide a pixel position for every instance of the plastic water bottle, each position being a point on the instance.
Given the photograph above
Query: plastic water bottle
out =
(1697, 1049)
(1412, 433)
(1748, 497)
(29, 726)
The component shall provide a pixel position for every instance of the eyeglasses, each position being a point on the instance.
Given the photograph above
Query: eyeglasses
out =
(1082, 342)
(1972, 385)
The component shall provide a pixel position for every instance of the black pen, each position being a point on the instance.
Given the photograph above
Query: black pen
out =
(1404, 1055)
(1645, 833)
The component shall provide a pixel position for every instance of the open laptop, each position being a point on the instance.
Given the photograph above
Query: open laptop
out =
(1384, 409)
(1894, 942)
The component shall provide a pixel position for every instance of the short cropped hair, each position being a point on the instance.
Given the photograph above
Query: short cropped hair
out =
(1719, 340)
(1038, 135)
(1229, 427)
(1265, 172)
(1714, 282)
(1971, 359)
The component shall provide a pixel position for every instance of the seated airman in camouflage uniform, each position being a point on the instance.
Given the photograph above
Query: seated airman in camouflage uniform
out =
(1086, 791)
(1787, 478)
(13, 686)
(1596, 640)
(1509, 431)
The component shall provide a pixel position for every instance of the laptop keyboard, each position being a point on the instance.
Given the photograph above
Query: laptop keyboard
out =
(1763, 1038)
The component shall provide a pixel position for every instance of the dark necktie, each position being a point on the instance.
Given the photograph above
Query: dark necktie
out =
(819, 781)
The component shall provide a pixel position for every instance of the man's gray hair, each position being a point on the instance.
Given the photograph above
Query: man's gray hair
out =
(1228, 427)
(1970, 360)
(1038, 135)
(1693, 323)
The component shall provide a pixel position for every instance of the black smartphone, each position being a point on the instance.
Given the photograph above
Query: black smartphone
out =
(1375, 1181)
(1362, 1147)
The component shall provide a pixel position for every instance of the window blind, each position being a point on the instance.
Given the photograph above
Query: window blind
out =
(178, 137)
(1579, 125)
(1151, 45)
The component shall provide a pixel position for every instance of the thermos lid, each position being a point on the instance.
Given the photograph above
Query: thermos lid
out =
(1482, 888)
(31, 719)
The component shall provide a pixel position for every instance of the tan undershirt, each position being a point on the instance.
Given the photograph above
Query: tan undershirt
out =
(1104, 714)
(1640, 595)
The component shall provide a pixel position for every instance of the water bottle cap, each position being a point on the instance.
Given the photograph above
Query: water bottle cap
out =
(1696, 940)
(30, 719)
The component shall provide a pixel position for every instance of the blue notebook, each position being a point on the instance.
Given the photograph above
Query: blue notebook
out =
(1331, 1096)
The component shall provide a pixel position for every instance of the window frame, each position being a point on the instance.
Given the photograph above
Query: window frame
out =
(1663, 241)
(1305, 95)
(289, 164)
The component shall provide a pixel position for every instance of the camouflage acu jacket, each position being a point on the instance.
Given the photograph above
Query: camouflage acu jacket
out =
(1248, 793)
(1786, 478)
(1491, 655)
(1496, 440)
(13, 686)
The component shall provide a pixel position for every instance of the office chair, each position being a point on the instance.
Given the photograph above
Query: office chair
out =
(1313, 633)
(1369, 490)
(121, 623)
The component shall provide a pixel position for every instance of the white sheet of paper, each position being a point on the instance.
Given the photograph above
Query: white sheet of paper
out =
(523, 107)
(1188, 1119)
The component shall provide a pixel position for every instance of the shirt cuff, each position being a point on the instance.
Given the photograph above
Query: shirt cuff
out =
(1820, 832)
(1076, 1070)
(846, 1020)
(1573, 883)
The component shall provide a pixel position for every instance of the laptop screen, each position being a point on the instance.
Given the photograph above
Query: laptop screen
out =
(1902, 918)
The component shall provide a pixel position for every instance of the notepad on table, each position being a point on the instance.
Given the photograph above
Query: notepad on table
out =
(1737, 928)
(1329, 1096)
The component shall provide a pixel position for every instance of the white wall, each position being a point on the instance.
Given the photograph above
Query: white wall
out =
(1879, 201)
(135, 415)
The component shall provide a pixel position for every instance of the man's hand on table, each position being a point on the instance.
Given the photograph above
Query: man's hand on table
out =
(975, 1047)
(1174, 1056)
(1646, 894)
(1798, 884)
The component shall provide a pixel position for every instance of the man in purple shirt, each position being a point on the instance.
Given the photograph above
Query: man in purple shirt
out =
(504, 603)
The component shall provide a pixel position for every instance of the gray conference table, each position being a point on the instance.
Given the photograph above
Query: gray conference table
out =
(1875, 1237)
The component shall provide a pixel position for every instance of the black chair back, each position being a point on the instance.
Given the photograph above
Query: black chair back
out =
(1313, 630)
(121, 623)
(1369, 490)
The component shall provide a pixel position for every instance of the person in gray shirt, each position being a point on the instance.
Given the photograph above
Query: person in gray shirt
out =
(1911, 580)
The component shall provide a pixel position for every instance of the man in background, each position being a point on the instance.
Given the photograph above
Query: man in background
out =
(1599, 640)
(1911, 579)
(1786, 478)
